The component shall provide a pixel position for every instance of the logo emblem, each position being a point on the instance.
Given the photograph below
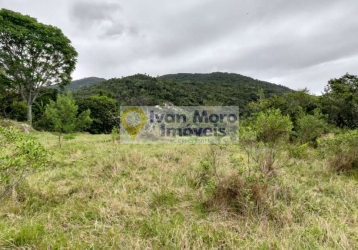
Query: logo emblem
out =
(133, 130)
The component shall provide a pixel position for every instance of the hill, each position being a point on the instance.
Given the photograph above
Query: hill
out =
(81, 83)
(222, 77)
(215, 89)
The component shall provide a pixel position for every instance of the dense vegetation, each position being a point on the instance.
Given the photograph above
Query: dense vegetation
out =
(337, 106)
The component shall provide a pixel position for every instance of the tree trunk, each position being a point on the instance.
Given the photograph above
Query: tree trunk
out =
(29, 113)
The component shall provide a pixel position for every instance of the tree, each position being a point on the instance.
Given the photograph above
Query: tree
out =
(340, 101)
(33, 55)
(64, 115)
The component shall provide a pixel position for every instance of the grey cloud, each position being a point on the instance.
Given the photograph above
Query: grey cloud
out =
(114, 30)
(284, 50)
(288, 42)
(103, 19)
(85, 12)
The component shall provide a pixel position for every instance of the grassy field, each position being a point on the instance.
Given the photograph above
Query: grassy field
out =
(97, 194)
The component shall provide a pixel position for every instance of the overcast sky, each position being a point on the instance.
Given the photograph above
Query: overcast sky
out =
(294, 43)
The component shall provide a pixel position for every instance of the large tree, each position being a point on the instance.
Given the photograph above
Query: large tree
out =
(34, 55)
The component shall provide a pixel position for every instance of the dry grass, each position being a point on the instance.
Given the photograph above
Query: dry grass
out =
(97, 195)
(240, 198)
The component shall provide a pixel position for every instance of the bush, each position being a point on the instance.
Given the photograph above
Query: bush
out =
(264, 139)
(298, 152)
(19, 157)
(271, 126)
(340, 151)
(310, 127)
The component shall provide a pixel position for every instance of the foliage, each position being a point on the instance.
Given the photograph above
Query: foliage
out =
(11, 104)
(33, 55)
(19, 157)
(271, 126)
(340, 101)
(64, 115)
(44, 97)
(298, 152)
(18, 110)
(340, 151)
(310, 127)
(290, 103)
(41, 121)
(103, 112)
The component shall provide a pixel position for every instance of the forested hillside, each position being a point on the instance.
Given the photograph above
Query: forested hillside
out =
(81, 83)
(222, 77)
(217, 89)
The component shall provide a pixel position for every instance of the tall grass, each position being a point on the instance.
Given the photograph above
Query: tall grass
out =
(97, 194)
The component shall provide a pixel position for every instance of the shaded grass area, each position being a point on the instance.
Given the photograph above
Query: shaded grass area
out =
(100, 195)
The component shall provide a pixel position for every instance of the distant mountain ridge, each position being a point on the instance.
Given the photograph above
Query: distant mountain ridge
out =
(81, 83)
(184, 89)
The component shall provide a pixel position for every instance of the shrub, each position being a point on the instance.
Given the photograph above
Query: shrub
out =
(310, 127)
(19, 157)
(340, 151)
(272, 127)
(263, 140)
(298, 152)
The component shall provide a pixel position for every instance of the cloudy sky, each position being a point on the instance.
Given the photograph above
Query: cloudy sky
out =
(294, 43)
